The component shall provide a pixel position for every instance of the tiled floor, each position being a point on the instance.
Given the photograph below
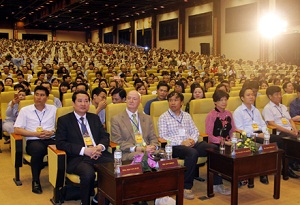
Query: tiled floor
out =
(10, 194)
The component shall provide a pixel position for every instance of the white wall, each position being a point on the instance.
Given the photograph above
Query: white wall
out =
(32, 31)
(95, 36)
(9, 31)
(238, 45)
(168, 44)
(194, 42)
(70, 36)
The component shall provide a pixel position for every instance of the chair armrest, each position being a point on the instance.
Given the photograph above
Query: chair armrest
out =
(113, 145)
(162, 142)
(273, 128)
(57, 163)
(16, 150)
(297, 122)
(56, 151)
(204, 137)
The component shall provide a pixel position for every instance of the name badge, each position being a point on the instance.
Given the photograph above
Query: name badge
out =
(255, 126)
(181, 132)
(39, 129)
(138, 139)
(88, 141)
(284, 121)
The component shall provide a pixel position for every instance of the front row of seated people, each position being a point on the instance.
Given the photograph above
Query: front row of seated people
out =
(37, 123)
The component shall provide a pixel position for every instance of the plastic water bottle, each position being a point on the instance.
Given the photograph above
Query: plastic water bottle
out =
(233, 145)
(168, 150)
(267, 137)
(117, 159)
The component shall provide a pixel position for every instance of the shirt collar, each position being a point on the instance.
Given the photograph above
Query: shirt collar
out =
(78, 116)
(173, 113)
(245, 107)
(274, 105)
(131, 113)
(45, 108)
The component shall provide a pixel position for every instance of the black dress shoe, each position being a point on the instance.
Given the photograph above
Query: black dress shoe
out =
(264, 179)
(292, 174)
(36, 187)
(295, 166)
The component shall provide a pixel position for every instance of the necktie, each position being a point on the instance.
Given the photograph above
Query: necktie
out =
(135, 124)
(83, 127)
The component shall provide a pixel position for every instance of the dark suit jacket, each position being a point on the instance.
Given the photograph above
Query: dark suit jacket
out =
(69, 137)
(122, 132)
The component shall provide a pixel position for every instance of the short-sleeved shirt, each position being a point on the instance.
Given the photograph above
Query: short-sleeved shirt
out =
(276, 113)
(30, 118)
(245, 118)
(169, 126)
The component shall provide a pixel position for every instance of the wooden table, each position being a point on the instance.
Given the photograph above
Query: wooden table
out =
(140, 187)
(291, 149)
(239, 168)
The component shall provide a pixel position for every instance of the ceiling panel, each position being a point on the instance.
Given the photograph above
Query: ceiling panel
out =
(83, 14)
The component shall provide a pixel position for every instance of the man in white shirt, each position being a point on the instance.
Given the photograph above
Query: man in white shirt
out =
(37, 123)
(277, 115)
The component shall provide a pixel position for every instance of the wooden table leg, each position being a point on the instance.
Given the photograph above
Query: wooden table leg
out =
(277, 179)
(101, 198)
(234, 190)
(285, 168)
(210, 182)
(251, 183)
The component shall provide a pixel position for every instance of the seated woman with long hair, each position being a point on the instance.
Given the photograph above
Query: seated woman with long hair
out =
(63, 88)
(197, 93)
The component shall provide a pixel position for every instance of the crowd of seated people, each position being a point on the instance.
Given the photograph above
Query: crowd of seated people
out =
(112, 70)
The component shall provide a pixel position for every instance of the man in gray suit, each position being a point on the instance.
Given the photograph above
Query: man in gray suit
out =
(133, 130)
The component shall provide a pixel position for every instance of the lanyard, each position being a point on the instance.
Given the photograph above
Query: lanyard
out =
(280, 111)
(252, 116)
(39, 116)
(136, 125)
(179, 121)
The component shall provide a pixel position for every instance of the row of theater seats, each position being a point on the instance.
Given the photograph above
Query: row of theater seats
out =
(57, 158)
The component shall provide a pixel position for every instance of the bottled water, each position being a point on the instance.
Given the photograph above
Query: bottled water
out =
(117, 159)
(168, 150)
(266, 137)
(233, 145)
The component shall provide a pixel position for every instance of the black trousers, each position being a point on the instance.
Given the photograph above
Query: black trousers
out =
(85, 170)
(190, 156)
(37, 149)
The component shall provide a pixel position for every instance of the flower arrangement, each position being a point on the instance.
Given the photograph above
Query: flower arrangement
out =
(246, 142)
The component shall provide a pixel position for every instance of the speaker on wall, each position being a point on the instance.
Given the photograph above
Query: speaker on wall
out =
(205, 48)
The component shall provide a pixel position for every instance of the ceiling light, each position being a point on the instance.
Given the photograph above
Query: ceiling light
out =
(155, 8)
(162, 7)
(96, 12)
(118, 18)
(87, 12)
(133, 7)
(106, 5)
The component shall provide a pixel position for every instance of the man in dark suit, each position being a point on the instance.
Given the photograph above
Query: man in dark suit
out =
(132, 129)
(81, 135)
